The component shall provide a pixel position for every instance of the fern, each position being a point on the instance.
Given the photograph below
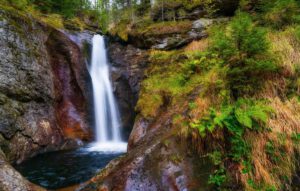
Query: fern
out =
(244, 114)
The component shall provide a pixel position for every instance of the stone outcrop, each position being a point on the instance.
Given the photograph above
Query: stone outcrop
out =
(43, 99)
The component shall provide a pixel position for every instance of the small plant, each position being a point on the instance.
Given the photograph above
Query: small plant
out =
(296, 137)
(243, 47)
(216, 157)
(235, 120)
(244, 114)
(280, 13)
(218, 177)
(272, 152)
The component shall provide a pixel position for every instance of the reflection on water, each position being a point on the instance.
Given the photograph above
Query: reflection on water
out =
(64, 168)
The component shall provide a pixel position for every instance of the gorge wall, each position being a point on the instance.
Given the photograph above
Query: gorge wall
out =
(43, 99)
(44, 94)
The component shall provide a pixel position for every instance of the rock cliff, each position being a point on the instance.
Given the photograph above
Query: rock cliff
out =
(43, 99)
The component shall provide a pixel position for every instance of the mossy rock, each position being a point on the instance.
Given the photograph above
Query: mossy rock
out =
(3, 99)
(74, 24)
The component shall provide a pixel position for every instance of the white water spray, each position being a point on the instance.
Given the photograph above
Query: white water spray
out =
(108, 137)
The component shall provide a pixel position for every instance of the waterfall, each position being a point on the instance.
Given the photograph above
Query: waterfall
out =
(107, 119)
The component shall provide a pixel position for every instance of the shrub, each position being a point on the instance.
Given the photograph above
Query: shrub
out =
(274, 13)
(67, 8)
(243, 47)
(282, 13)
(235, 120)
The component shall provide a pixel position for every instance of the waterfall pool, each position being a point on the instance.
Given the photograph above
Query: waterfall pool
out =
(66, 168)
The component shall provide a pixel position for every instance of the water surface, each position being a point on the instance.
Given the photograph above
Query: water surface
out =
(65, 168)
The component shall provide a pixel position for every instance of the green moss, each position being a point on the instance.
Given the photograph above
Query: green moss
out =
(173, 75)
(53, 20)
(74, 24)
(164, 28)
(30, 13)
(3, 99)
(4, 147)
(123, 28)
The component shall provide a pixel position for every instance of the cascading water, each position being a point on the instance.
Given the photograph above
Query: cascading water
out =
(108, 124)
(57, 169)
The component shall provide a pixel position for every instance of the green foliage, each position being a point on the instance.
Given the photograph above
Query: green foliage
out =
(271, 151)
(243, 47)
(216, 157)
(168, 7)
(258, 187)
(218, 177)
(244, 114)
(19, 4)
(172, 76)
(279, 13)
(235, 119)
(296, 138)
(67, 8)
(208, 123)
(54, 20)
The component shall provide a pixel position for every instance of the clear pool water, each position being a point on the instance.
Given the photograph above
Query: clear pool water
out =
(65, 168)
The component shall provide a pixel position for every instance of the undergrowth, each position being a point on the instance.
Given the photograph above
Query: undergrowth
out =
(242, 85)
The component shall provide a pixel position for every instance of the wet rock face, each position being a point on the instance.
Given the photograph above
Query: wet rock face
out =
(70, 74)
(128, 64)
(26, 89)
(29, 89)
